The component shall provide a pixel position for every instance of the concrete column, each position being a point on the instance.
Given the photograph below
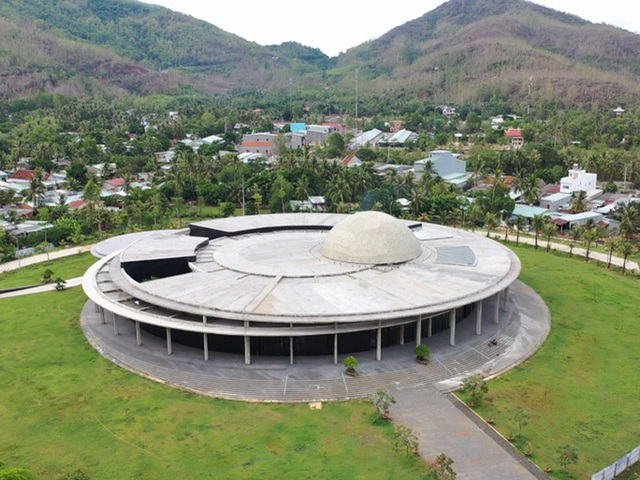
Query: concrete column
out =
(290, 350)
(102, 320)
(479, 317)
(205, 345)
(452, 327)
(496, 309)
(169, 343)
(115, 325)
(379, 343)
(429, 326)
(247, 350)
(335, 348)
(138, 335)
(204, 319)
(505, 298)
(418, 332)
(401, 334)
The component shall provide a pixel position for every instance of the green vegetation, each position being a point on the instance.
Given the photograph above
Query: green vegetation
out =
(581, 387)
(67, 268)
(69, 409)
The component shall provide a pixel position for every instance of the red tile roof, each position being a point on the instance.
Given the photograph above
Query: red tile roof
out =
(24, 175)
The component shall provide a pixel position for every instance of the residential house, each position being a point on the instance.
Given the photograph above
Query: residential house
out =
(516, 136)
(366, 139)
(351, 161)
(555, 201)
(446, 165)
(263, 143)
(578, 179)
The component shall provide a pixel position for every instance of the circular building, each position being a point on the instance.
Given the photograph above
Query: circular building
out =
(302, 284)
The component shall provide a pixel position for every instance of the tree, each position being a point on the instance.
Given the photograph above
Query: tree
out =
(521, 419)
(36, 189)
(578, 201)
(407, 439)
(520, 223)
(611, 244)
(442, 468)
(538, 222)
(476, 387)
(351, 363)
(490, 222)
(227, 209)
(576, 234)
(549, 230)
(422, 352)
(625, 249)
(382, 400)
(590, 235)
(566, 455)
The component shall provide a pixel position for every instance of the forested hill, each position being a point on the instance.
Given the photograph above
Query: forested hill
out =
(464, 51)
(126, 45)
(491, 48)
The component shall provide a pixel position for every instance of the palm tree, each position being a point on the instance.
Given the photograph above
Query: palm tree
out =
(625, 249)
(520, 223)
(576, 234)
(538, 223)
(36, 189)
(590, 235)
(610, 244)
(490, 222)
(549, 230)
(579, 201)
(302, 188)
(509, 226)
(629, 214)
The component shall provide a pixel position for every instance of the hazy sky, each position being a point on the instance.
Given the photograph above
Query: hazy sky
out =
(333, 26)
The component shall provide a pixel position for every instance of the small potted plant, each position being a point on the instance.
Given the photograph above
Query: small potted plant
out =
(423, 353)
(527, 449)
(351, 363)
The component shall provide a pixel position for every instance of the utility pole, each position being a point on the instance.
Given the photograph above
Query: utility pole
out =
(435, 101)
(529, 97)
(357, 107)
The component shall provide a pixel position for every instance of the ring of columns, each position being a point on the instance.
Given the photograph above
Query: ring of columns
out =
(274, 284)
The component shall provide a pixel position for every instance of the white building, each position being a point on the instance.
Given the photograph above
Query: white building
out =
(445, 165)
(578, 180)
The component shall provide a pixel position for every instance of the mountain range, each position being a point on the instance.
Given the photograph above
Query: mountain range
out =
(464, 51)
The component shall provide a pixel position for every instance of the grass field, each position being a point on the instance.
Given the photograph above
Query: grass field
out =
(583, 385)
(65, 268)
(63, 407)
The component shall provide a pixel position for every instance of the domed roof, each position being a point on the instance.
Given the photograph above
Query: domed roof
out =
(371, 238)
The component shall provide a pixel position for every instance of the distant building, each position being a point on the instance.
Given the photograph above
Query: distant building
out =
(396, 126)
(366, 139)
(445, 165)
(263, 143)
(351, 161)
(515, 134)
(577, 180)
(555, 201)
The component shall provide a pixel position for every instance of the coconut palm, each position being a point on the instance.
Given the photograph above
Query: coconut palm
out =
(36, 190)
(549, 230)
(578, 201)
(520, 223)
(576, 234)
(625, 249)
(611, 244)
(629, 214)
(538, 222)
(591, 235)
(490, 222)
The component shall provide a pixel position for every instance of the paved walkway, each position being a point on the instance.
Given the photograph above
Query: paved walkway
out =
(542, 244)
(43, 257)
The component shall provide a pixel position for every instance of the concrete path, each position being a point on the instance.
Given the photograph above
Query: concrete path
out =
(477, 451)
(579, 251)
(43, 257)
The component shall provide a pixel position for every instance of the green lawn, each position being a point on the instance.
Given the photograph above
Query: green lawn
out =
(63, 407)
(583, 385)
(66, 268)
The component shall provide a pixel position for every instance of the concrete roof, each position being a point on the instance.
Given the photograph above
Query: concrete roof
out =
(281, 276)
(373, 238)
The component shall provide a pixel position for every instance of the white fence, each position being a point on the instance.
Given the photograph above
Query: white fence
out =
(618, 467)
